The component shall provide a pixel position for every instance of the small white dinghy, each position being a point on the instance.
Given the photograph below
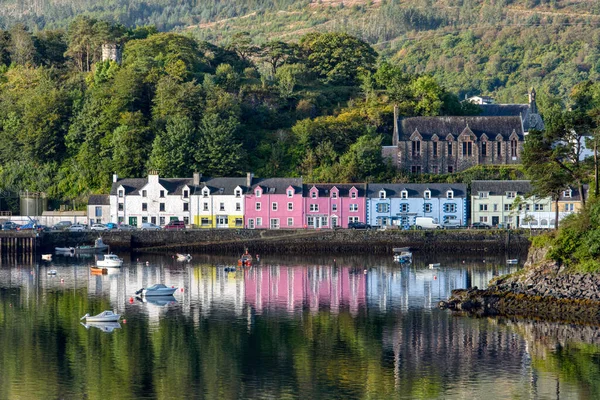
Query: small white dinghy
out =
(157, 290)
(110, 261)
(183, 257)
(52, 272)
(434, 265)
(104, 316)
(47, 257)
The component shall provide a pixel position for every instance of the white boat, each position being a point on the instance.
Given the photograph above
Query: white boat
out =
(110, 261)
(47, 257)
(157, 290)
(52, 272)
(434, 265)
(512, 261)
(107, 327)
(183, 257)
(104, 316)
(402, 254)
(98, 247)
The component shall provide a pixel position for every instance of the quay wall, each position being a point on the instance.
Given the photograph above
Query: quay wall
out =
(226, 241)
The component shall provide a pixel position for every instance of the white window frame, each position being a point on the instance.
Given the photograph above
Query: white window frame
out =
(334, 195)
(450, 194)
(334, 207)
(290, 221)
(258, 221)
(427, 194)
(290, 193)
(238, 193)
(483, 207)
(353, 219)
(314, 208)
(353, 194)
(353, 207)
(313, 194)
(404, 194)
(382, 194)
(258, 193)
(511, 195)
(274, 223)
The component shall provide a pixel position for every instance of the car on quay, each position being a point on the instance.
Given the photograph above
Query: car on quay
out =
(62, 225)
(125, 227)
(112, 225)
(359, 225)
(98, 227)
(480, 225)
(175, 225)
(77, 228)
(147, 226)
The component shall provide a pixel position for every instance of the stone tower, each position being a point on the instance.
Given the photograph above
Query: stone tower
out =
(112, 52)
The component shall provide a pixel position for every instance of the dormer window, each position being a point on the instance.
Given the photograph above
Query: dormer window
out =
(382, 194)
(567, 193)
(353, 195)
(144, 193)
(334, 195)
(427, 194)
(290, 193)
(484, 195)
(162, 193)
(510, 195)
(450, 194)
(186, 194)
(238, 193)
(205, 193)
(404, 194)
(120, 193)
(258, 193)
(313, 194)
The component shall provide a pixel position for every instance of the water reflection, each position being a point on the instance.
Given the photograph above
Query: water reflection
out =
(357, 327)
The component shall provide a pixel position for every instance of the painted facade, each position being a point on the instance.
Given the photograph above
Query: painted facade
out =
(329, 205)
(219, 202)
(274, 203)
(399, 205)
(98, 209)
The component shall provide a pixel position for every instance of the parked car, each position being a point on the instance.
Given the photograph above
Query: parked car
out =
(125, 227)
(452, 224)
(9, 226)
(77, 228)
(176, 225)
(147, 226)
(359, 225)
(480, 225)
(111, 225)
(31, 225)
(98, 227)
(426, 223)
(62, 225)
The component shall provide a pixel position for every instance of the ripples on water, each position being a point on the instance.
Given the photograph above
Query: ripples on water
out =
(308, 328)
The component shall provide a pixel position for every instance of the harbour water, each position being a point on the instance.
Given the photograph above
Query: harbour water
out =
(358, 327)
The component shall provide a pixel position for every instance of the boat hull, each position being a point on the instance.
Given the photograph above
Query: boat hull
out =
(109, 264)
(159, 292)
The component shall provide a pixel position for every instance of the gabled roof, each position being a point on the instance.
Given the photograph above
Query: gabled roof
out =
(174, 186)
(499, 188)
(343, 189)
(575, 195)
(417, 190)
(442, 126)
(131, 186)
(228, 185)
(278, 185)
(531, 120)
(99, 200)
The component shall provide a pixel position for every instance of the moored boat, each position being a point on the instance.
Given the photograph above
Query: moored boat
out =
(110, 261)
(47, 257)
(98, 247)
(512, 261)
(402, 255)
(104, 316)
(157, 290)
(245, 260)
(183, 257)
(107, 327)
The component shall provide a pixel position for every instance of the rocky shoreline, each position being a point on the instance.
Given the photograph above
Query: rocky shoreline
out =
(542, 290)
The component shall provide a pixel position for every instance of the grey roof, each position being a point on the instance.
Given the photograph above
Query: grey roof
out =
(278, 185)
(225, 186)
(575, 195)
(343, 189)
(442, 126)
(499, 188)
(531, 120)
(417, 190)
(99, 200)
(131, 186)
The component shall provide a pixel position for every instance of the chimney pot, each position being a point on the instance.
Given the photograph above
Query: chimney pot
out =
(115, 177)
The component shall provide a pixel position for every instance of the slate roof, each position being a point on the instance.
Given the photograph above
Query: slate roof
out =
(131, 186)
(499, 188)
(442, 126)
(278, 185)
(224, 186)
(99, 200)
(530, 120)
(343, 189)
(575, 195)
(417, 190)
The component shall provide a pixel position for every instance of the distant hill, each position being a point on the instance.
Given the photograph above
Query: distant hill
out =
(495, 47)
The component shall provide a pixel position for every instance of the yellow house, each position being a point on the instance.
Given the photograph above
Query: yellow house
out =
(219, 203)
(570, 200)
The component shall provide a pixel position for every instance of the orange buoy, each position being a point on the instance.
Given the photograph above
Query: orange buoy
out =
(181, 289)
(131, 300)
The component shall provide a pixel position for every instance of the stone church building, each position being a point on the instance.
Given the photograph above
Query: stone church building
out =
(440, 145)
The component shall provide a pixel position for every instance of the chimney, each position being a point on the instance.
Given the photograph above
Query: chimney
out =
(395, 136)
(115, 177)
(249, 177)
(153, 176)
(197, 177)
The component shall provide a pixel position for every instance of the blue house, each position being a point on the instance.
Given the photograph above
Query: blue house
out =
(399, 204)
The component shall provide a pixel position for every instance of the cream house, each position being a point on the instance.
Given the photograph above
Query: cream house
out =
(219, 202)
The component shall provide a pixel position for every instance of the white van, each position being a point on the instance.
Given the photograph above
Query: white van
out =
(426, 223)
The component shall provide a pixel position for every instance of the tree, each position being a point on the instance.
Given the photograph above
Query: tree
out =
(218, 152)
(21, 48)
(277, 53)
(174, 148)
(288, 76)
(363, 160)
(132, 144)
(241, 44)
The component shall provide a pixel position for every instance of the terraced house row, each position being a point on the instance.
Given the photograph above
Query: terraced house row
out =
(289, 203)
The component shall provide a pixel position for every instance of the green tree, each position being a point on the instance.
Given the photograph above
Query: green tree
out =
(218, 153)
(21, 48)
(277, 53)
(131, 143)
(174, 148)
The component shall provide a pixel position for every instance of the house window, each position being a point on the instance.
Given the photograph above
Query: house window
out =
(467, 148)
(449, 194)
(334, 195)
(382, 194)
(513, 148)
(416, 148)
(290, 193)
(290, 221)
(186, 206)
(567, 194)
(450, 208)
(310, 221)
(434, 169)
(120, 206)
(353, 207)
(221, 206)
(144, 219)
(258, 193)
(205, 193)
(427, 207)
(153, 220)
(186, 194)
(162, 220)
(404, 207)
(313, 194)
(290, 206)
(161, 207)
(569, 207)
(435, 149)
(511, 195)
(334, 207)
(499, 149)
(144, 193)
(144, 206)
(427, 194)
(121, 219)
(415, 169)
(539, 207)
(186, 220)
(162, 193)
(353, 219)
(239, 222)
(507, 207)
(98, 211)
(483, 195)
(238, 206)
(205, 206)
(404, 194)
(314, 207)
(483, 207)
(274, 223)
(238, 193)
(449, 148)
(383, 207)
(450, 169)
(204, 221)
(257, 206)
(352, 195)
(483, 219)
(259, 221)
(274, 206)
(484, 149)
(495, 207)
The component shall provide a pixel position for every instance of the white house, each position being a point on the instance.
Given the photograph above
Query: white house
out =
(219, 202)
(98, 209)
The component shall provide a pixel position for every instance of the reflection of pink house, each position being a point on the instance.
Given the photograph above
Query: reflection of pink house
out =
(292, 288)
(274, 203)
(329, 205)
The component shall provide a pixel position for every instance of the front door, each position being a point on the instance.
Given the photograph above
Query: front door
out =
(317, 222)
(222, 222)
(251, 224)
(133, 221)
(495, 221)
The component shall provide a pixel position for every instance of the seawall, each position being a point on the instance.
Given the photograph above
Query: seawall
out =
(295, 241)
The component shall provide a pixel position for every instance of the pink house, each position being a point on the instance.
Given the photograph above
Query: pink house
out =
(330, 205)
(274, 203)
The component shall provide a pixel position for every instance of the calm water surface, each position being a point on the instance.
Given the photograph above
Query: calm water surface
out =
(306, 328)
